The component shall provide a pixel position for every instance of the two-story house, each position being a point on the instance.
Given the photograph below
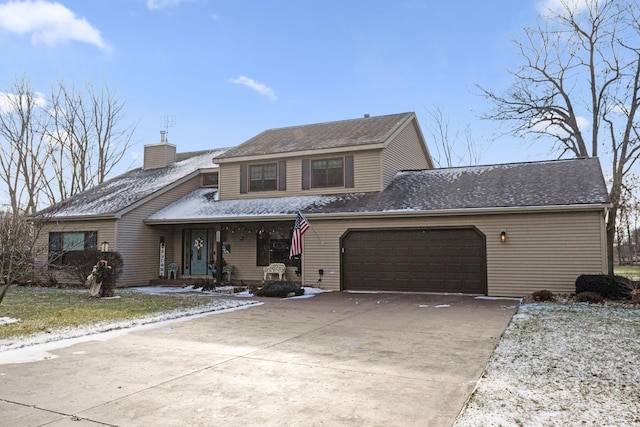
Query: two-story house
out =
(381, 217)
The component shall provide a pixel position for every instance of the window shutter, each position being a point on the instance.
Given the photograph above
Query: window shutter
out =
(306, 175)
(243, 179)
(348, 172)
(282, 175)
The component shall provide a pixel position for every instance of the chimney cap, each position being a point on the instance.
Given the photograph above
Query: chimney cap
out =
(366, 116)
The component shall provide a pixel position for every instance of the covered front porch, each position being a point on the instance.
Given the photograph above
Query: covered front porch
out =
(225, 252)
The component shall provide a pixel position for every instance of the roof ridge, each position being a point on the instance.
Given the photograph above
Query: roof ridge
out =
(528, 162)
(335, 121)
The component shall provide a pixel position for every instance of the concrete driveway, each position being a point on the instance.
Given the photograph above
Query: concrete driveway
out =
(333, 360)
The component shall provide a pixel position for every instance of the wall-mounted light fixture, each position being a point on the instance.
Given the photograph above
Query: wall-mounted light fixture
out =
(104, 246)
(503, 236)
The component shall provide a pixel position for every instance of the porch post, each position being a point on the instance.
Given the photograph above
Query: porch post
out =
(219, 240)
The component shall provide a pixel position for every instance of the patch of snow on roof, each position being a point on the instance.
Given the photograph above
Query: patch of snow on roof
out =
(454, 172)
(204, 203)
(133, 186)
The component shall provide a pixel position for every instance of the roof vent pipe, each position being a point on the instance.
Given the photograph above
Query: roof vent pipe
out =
(366, 116)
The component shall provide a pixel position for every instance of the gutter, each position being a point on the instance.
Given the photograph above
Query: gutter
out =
(306, 153)
(464, 211)
(72, 218)
(386, 214)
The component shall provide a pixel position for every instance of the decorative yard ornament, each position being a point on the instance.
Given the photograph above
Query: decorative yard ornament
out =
(100, 280)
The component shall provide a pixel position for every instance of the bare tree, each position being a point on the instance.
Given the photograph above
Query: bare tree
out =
(54, 147)
(17, 240)
(452, 147)
(579, 86)
(627, 227)
(23, 152)
(87, 136)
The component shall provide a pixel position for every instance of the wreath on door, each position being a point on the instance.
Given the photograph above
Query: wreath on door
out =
(199, 243)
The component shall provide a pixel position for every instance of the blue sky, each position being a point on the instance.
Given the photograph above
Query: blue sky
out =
(227, 70)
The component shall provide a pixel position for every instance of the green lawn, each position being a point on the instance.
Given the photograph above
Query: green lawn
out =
(48, 309)
(630, 271)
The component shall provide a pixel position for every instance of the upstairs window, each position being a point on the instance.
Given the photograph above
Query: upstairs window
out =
(327, 173)
(210, 179)
(263, 177)
(61, 243)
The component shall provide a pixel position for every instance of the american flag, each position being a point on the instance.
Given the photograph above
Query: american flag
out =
(299, 228)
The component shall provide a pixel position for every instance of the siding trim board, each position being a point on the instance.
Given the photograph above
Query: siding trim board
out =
(461, 212)
(282, 175)
(306, 153)
(394, 214)
(348, 171)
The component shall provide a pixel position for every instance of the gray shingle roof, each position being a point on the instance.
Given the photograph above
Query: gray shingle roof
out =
(319, 136)
(120, 192)
(203, 204)
(534, 184)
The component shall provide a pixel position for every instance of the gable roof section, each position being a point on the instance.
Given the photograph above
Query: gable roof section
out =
(550, 184)
(333, 136)
(116, 196)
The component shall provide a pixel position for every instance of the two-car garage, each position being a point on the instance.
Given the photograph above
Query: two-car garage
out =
(415, 260)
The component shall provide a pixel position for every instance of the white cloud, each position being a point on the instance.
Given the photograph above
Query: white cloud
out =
(257, 86)
(163, 4)
(546, 7)
(547, 127)
(9, 101)
(48, 22)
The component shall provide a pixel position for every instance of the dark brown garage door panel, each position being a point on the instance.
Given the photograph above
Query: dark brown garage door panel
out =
(422, 260)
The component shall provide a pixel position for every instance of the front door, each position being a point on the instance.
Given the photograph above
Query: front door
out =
(199, 252)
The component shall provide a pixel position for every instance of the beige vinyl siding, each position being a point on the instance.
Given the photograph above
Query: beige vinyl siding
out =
(367, 175)
(139, 243)
(229, 182)
(405, 151)
(158, 155)
(106, 232)
(367, 172)
(243, 258)
(543, 251)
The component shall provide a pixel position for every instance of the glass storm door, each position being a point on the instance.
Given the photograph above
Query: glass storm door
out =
(199, 255)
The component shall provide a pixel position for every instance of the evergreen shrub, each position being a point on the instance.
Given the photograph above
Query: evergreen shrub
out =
(280, 289)
(610, 287)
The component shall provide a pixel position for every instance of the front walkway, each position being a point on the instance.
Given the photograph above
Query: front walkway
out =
(335, 359)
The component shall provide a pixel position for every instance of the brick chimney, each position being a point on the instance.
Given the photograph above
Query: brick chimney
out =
(159, 155)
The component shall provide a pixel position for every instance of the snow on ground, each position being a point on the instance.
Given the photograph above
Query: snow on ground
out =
(235, 301)
(7, 320)
(216, 305)
(561, 365)
(219, 290)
